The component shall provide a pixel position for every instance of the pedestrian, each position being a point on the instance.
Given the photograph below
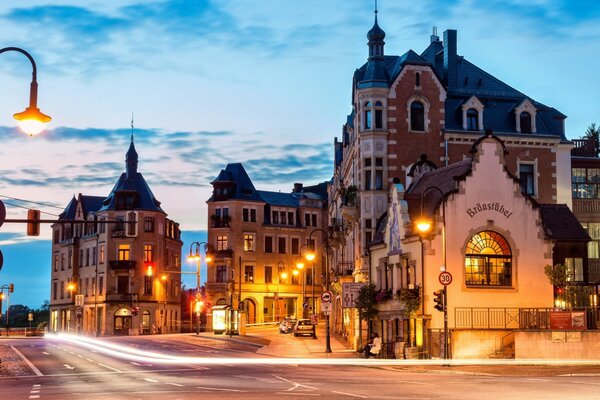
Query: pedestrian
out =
(154, 328)
(372, 348)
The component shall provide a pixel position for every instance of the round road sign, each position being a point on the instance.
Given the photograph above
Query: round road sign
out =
(326, 296)
(2, 213)
(445, 278)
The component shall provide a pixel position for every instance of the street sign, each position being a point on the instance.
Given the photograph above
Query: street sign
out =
(350, 293)
(445, 278)
(198, 295)
(326, 296)
(326, 306)
(2, 213)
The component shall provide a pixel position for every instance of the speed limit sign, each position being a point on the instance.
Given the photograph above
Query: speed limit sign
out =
(445, 278)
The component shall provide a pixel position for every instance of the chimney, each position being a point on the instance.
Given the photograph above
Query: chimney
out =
(434, 36)
(450, 58)
(297, 187)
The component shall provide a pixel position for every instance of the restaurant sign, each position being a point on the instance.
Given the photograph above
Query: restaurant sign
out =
(496, 207)
(567, 320)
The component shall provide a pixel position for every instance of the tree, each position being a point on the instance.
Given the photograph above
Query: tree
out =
(366, 304)
(412, 301)
(592, 134)
(558, 275)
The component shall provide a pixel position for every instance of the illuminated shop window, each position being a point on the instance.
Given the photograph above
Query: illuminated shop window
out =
(488, 260)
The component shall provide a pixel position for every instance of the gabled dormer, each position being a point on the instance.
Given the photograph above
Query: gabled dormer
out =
(525, 114)
(472, 114)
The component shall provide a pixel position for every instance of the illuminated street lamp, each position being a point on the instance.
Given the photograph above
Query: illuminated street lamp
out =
(195, 255)
(31, 121)
(310, 256)
(424, 225)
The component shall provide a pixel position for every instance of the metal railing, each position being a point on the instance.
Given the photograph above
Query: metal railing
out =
(515, 318)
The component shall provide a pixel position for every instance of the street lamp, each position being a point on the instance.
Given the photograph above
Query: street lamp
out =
(31, 121)
(195, 255)
(300, 266)
(424, 225)
(310, 256)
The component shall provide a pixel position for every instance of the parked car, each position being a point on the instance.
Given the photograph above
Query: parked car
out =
(304, 327)
(287, 325)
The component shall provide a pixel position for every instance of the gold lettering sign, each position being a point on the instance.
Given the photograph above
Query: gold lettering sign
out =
(496, 207)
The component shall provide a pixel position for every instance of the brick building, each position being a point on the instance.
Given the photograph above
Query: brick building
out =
(116, 262)
(257, 237)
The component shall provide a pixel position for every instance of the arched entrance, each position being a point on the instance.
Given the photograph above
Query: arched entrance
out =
(122, 321)
(250, 307)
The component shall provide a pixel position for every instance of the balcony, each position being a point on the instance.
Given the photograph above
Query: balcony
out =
(344, 268)
(120, 297)
(228, 253)
(584, 148)
(217, 287)
(586, 207)
(121, 264)
(118, 232)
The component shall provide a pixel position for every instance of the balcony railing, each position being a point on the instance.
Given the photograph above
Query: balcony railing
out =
(217, 286)
(581, 206)
(228, 253)
(585, 148)
(344, 268)
(120, 297)
(220, 221)
(121, 264)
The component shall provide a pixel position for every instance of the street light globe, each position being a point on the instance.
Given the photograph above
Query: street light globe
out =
(284, 275)
(71, 287)
(295, 272)
(208, 258)
(32, 121)
(424, 225)
(299, 265)
(310, 256)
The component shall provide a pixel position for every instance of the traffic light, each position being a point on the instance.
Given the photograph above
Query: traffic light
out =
(33, 224)
(440, 300)
(11, 287)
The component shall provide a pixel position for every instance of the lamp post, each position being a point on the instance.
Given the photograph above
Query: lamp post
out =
(310, 257)
(10, 288)
(31, 121)
(424, 225)
(72, 288)
(195, 255)
(300, 266)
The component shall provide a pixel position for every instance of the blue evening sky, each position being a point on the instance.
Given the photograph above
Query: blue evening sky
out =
(262, 82)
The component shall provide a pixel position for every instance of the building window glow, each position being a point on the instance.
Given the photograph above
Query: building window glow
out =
(488, 260)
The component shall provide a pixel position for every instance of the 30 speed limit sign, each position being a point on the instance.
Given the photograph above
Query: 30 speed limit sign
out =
(445, 278)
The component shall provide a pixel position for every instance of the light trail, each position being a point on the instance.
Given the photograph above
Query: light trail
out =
(133, 354)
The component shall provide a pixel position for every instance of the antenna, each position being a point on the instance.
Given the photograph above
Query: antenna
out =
(375, 7)
(132, 126)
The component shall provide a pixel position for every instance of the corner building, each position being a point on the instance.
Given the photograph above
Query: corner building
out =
(257, 237)
(116, 262)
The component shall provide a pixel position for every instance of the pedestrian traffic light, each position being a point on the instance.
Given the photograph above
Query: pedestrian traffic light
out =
(33, 224)
(440, 300)
(11, 287)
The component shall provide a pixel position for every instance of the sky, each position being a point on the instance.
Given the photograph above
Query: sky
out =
(267, 83)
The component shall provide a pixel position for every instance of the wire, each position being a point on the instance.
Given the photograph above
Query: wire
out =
(27, 208)
(30, 201)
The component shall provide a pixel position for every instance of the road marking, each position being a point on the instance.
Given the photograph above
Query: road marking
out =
(220, 389)
(350, 394)
(106, 366)
(45, 353)
(90, 360)
(134, 363)
(296, 384)
(150, 380)
(29, 363)
(297, 394)
(79, 355)
(67, 366)
(34, 391)
(34, 396)
(174, 384)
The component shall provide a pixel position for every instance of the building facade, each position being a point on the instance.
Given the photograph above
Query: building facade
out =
(116, 262)
(257, 238)
(418, 112)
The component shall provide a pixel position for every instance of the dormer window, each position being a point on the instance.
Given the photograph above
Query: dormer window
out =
(472, 119)
(125, 201)
(417, 116)
(525, 120)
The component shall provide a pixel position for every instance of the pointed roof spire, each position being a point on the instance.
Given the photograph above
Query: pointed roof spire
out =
(376, 36)
(131, 158)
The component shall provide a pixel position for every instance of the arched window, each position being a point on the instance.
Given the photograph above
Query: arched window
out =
(472, 119)
(368, 119)
(488, 260)
(525, 118)
(417, 116)
(378, 115)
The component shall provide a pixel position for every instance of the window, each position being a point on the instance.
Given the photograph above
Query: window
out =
(148, 253)
(417, 116)
(94, 256)
(368, 179)
(102, 225)
(281, 245)
(246, 215)
(309, 276)
(93, 286)
(306, 219)
(268, 274)
(101, 285)
(101, 254)
(54, 290)
(62, 289)
(268, 244)
(221, 273)
(124, 252)
(593, 229)
(525, 119)
(55, 236)
(295, 245)
(417, 79)
(488, 260)
(87, 284)
(368, 122)
(574, 269)
(248, 273)
(378, 115)
(147, 284)
(314, 219)
(70, 259)
(585, 183)
(252, 215)
(378, 179)
(80, 258)
(56, 262)
(283, 217)
(125, 201)
(472, 119)
(290, 218)
(148, 224)
(526, 175)
(295, 277)
(62, 261)
(281, 274)
(248, 242)
(275, 217)
(221, 242)
(87, 257)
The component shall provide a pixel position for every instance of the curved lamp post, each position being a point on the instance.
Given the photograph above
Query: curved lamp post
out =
(31, 121)
(195, 255)
(310, 256)
(424, 225)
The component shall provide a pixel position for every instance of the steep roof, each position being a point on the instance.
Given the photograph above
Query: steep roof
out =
(560, 223)
(134, 183)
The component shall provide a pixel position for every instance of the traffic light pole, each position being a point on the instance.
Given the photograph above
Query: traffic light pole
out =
(445, 322)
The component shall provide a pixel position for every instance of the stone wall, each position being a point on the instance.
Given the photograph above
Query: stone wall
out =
(558, 345)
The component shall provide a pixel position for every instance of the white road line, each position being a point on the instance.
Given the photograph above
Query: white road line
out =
(79, 355)
(220, 389)
(37, 385)
(106, 366)
(150, 380)
(90, 360)
(350, 394)
(45, 353)
(34, 391)
(67, 366)
(134, 363)
(29, 363)
(35, 396)
(297, 394)
(174, 384)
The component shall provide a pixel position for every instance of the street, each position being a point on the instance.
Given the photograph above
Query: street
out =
(147, 367)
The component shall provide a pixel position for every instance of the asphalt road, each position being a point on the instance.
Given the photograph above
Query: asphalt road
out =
(67, 371)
